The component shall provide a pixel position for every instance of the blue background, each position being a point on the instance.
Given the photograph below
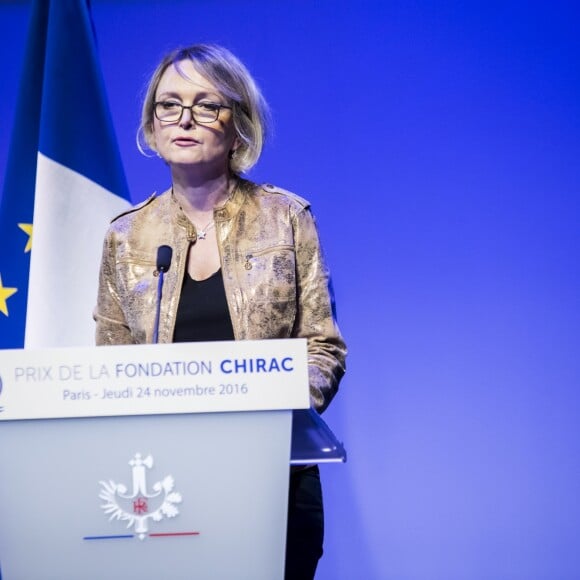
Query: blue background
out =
(439, 145)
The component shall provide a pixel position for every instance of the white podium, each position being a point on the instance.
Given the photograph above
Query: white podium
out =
(151, 461)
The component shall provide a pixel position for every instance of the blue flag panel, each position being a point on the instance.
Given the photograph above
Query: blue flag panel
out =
(18, 194)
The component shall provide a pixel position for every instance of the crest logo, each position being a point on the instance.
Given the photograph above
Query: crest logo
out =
(141, 505)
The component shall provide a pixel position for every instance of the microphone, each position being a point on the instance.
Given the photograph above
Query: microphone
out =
(164, 255)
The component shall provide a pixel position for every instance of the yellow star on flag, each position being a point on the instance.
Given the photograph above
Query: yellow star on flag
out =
(4, 294)
(27, 229)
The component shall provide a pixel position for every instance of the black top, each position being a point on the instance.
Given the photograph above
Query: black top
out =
(203, 312)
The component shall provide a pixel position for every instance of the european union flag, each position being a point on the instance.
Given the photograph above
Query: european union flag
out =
(64, 181)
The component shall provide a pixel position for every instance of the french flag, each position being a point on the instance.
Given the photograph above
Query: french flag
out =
(64, 183)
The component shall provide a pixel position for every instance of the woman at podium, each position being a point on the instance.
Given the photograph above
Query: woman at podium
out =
(241, 261)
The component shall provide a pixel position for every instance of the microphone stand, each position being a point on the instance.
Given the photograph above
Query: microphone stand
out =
(158, 306)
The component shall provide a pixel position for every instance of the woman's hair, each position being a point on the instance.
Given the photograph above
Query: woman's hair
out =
(226, 72)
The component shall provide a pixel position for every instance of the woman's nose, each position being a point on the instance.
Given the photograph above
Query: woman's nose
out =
(187, 119)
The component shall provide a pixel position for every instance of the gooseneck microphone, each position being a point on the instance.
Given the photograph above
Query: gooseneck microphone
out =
(164, 255)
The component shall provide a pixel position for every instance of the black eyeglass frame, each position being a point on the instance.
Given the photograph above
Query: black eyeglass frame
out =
(218, 108)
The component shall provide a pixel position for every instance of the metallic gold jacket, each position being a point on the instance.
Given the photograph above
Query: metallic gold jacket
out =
(276, 282)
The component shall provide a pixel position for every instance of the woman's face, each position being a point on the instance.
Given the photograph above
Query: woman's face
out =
(204, 147)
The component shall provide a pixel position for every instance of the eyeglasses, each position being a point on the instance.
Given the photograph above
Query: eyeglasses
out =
(172, 111)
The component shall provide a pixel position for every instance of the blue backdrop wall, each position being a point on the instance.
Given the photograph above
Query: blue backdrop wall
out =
(439, 145)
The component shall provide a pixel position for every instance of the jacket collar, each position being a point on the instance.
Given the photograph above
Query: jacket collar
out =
(227, 212)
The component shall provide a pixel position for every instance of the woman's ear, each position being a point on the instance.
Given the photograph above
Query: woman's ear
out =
(235, 146)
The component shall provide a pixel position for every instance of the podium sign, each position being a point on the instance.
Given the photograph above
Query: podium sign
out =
(188, 480)
(200, 377)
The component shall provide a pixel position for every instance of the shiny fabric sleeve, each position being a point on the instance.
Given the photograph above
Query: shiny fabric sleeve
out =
(315, 317)
(111, 325)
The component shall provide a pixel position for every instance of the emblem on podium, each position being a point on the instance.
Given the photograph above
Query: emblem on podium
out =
(141, 505)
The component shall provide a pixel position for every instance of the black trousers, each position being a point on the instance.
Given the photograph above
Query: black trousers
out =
(305, 524)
